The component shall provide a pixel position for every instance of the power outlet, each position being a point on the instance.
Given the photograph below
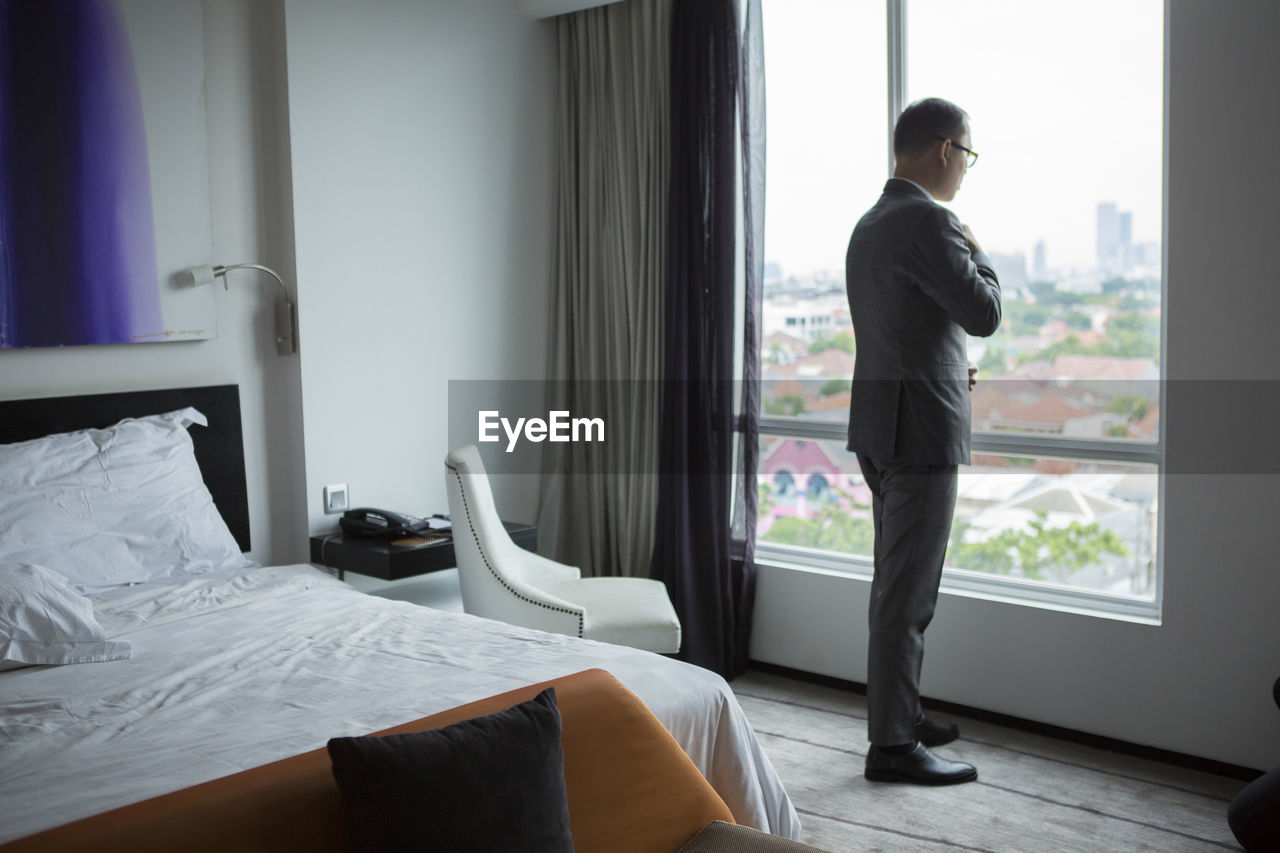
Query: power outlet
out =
(336, 499)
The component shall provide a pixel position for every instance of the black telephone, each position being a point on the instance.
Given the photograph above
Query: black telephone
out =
(369, 523)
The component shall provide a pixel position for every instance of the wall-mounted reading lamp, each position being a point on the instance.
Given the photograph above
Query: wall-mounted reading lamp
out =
(286, 311)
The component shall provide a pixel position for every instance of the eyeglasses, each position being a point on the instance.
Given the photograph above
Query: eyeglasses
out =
(971, 155)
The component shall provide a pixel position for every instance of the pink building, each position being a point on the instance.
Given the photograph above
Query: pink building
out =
(805, 474)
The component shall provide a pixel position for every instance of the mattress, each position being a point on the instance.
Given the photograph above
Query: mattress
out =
(235, 669)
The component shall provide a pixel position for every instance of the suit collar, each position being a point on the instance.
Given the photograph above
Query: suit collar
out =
(908, 187)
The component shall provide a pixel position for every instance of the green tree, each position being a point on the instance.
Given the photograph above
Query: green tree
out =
(766, 498)
(1077, 320)
(784, 404)
(1043, 291)
(834, 386)
(1042, 553)
(993, 360)
(1027, 313)
(1070, 345)
(840, 340)
(1128, 336)
(830, 527)
(1138, 323)
(1023, 318)
(1047, 293)
(1132, 406)
(1131, 336)
(1138, 301)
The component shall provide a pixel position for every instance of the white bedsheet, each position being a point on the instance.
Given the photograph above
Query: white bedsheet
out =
(233, 670)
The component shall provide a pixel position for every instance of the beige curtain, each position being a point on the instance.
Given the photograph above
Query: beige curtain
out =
(598, 503)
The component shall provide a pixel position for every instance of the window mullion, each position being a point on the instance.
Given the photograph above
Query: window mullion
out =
(801, 428)
(896, 17)
(986, 442)
(1101, 449)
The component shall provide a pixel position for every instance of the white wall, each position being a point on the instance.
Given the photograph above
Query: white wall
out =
(422, 132)
(244, 96)
(422, 175)
(1200, 683)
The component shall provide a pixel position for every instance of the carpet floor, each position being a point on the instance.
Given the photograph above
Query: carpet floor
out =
(1033, 793)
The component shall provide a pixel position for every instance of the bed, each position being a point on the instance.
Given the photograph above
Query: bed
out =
(216, 665)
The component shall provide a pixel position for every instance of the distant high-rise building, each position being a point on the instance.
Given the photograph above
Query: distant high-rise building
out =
(1107, 236)
(1125, 236)
(1012, 272)
(1037, 264)
(1147, 255)
(1115, 234)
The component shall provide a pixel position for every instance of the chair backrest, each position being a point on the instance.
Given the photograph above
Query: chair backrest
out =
(481, 544)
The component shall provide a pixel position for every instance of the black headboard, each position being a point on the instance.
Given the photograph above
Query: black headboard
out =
(219, 446)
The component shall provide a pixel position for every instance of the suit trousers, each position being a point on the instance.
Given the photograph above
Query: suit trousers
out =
(912, 506)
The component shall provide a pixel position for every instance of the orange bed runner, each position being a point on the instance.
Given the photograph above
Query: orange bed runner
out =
(630, 787)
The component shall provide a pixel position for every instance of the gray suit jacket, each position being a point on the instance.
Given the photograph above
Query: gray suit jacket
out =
(914, 291)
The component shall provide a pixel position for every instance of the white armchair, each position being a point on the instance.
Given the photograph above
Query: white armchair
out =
(500, 580)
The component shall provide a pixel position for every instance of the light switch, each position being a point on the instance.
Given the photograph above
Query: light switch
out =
(335, 499)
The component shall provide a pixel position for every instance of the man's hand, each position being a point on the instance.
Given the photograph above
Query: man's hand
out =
(973, 375)
(974, 248)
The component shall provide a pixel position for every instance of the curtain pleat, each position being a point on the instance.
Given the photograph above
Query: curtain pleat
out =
(607, 334)
(692, 550)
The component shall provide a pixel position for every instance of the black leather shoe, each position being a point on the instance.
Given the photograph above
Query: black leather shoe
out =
(932, 733)
(919, 767)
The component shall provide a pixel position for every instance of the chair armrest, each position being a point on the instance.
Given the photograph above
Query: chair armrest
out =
(538, 570)
(515, 602)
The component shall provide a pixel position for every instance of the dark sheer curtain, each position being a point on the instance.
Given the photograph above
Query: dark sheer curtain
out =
(751, 122)
(693, 552)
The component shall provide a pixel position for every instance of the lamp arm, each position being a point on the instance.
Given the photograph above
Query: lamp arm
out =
(286, 311)
(220, 270)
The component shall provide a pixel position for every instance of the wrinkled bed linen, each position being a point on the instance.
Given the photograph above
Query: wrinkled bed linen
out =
(236, 669)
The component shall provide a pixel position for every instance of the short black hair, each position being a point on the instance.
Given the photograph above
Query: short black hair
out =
(923, 122)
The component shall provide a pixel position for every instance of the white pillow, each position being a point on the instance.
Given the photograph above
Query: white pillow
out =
(112, 506)
(44, 621)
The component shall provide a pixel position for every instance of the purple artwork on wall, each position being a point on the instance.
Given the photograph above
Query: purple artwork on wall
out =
(77, 238)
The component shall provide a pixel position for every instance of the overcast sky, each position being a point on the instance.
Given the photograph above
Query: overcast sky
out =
(1066, 103)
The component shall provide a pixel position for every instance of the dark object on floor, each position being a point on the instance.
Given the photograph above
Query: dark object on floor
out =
(1254, 814)
(918, 767)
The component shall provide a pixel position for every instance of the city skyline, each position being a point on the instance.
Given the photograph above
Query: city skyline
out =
(1066, 133)
(1117, 254)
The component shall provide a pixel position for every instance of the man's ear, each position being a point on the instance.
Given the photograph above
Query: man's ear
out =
(944, 151)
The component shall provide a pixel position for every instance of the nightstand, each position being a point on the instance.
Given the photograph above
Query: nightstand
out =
(380, 559)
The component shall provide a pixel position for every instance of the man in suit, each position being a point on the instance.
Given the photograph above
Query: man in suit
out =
(918, 282)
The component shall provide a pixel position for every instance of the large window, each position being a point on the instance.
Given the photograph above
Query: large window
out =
(1066, 107)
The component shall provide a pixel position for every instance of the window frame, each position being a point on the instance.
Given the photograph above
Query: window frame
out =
(1013, 590)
